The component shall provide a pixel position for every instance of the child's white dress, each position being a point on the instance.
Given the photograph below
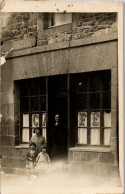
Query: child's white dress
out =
(42, 161)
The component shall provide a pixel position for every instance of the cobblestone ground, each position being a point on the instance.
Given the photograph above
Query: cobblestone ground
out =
(57, 181)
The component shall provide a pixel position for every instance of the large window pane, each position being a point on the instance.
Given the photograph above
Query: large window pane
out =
(43, 103)
(82, 135)
(107, 136)
(25, 135)
(106, 100)
(34, 88)
(94, 100)
(107, 119)
(95, 136)
(24, 106)
(25, 120)
(34, 103)
(107, 81)
(82, 101)
(94, 83)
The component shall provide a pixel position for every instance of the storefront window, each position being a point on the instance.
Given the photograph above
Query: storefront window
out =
(93, 105)
(32, 107)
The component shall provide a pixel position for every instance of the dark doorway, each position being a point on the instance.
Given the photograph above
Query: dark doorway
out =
(57, 133)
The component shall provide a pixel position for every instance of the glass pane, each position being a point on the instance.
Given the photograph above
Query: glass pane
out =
(44, 132)
(34, 103)
(94, 83)
(25, 135)
(95, 136)
(82, 119)
(24, 88)
(25, 120)
(44, 120)
(82, 101)
(43, 103)
(107, 119)
(34, 85)
(95, 119)
(107, 81)
(106, 100)
(35, 120)
(82, 86)
(82, 135)
(107, 135)
(94, 100)
(43, 86)
(24, 105)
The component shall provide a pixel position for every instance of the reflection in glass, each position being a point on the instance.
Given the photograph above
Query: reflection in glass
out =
(95, 136)
(82, 135)
(107, 135)
(25, 135)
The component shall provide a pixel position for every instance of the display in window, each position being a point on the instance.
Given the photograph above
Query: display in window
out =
(95, 136)
(25, 135)
(95, 119)
(107, 119)
(107, 136)
(35, 120)
(44, 120)
(82, 135)
(25, 120)
(82, 119)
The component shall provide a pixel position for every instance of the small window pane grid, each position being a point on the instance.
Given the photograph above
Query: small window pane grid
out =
(32, 108)
(94, 108)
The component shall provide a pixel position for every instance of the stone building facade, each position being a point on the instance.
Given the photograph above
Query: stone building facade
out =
(66, 63)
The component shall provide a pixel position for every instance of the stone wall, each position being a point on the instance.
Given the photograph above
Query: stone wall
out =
(21, 26)
(100, 163)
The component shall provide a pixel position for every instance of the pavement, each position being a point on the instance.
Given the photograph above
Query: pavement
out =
(58, 180)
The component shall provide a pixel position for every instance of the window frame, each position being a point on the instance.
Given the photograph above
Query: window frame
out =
(88, 108)
(29, 96)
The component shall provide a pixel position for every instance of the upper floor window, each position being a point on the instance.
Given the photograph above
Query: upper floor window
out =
(56, 19)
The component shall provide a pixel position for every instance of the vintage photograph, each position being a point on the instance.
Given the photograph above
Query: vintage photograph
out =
(59, 102)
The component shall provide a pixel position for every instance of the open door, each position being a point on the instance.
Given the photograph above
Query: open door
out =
(57, 131)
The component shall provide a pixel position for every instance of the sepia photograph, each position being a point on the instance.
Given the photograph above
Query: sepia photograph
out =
(60, 107)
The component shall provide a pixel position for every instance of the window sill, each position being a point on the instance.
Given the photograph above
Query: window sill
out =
(24, 146)
(91, 149)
